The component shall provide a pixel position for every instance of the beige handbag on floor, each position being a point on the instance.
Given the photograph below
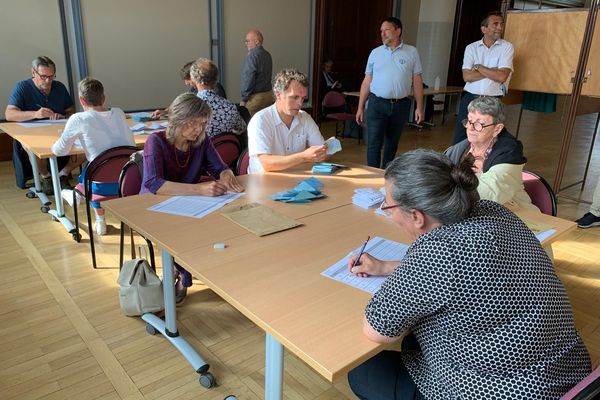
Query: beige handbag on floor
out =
(140, 289)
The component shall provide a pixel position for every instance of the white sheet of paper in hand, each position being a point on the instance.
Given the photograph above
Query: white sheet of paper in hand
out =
(333, 145)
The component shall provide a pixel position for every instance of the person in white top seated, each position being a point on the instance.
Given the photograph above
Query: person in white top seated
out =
(97, 129)
(282, 136)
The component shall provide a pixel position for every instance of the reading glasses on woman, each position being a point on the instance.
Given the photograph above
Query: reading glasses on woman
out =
(477, 126)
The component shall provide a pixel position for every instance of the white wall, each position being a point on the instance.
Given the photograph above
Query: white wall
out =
(136, 47)
(285, 25)
(436, 21)
(28, 28)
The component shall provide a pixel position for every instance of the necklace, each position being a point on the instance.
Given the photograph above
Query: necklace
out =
(483, 156)
(187, 157)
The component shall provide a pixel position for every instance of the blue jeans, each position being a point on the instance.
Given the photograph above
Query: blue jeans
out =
(384, 376)
(385, 121)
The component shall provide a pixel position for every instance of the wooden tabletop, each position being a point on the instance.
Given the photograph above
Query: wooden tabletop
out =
(40, 139)
(178, 234)
(276, 280)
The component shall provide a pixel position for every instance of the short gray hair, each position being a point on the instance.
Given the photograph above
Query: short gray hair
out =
(185, 108)
(43, 61)
(204, 72)
(283, 79)
(488, 105)
(427, 181)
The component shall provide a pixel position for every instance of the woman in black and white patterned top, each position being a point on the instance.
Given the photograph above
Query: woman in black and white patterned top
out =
(490, 317)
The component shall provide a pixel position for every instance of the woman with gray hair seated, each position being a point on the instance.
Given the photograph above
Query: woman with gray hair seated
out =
(488, 315)
(175, 160)
(498, 155)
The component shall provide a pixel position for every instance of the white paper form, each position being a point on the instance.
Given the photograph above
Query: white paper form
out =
(194, 206)
(45, 122)
(386, 250)
(546, 234)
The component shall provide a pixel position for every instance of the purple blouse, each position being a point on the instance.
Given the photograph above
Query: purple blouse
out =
(163, 162)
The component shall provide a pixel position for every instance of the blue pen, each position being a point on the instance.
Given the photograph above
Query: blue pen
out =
(362, 250)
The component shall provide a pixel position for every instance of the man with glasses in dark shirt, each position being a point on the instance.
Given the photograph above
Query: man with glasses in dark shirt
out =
(42, 97)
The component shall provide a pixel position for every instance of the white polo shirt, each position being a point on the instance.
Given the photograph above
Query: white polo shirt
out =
(499, 55)
(267, 134)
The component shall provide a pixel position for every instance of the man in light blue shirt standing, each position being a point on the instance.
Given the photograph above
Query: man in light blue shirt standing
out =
(392, 69)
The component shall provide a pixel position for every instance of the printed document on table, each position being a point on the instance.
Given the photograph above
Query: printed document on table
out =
(386, 250)
(44, 122)
(194, 206)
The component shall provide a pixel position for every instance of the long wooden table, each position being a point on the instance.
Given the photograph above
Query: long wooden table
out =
(276, 280)
(38, 141)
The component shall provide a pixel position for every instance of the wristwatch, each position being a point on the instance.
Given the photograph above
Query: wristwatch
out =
(476, 67)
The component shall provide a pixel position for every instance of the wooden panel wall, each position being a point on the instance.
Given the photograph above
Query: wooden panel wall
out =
(547, 46)
(592, 85)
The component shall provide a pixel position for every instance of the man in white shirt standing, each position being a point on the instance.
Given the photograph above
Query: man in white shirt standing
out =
(487, 66)
(282, 136)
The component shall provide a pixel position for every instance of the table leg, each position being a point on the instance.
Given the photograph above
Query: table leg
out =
(59, 213)
(168, 328)
(37, 188)
(273, 369)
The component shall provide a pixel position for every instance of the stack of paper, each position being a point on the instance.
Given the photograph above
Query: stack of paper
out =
(259, 219)
(306, 191)
(367, 198)
(325, 168)
(333, 145)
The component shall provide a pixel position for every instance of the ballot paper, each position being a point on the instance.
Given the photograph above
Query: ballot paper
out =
(137, 127)
(325, 168)
(194, 206)
(367, 197)
(378, 247)
(306, 191)
(333, 145)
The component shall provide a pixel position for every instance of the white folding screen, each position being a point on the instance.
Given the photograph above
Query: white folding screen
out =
(137, 47)
(285, 25)
(28, 28)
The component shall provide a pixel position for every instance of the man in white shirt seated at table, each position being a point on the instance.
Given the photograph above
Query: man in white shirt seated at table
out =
(282, 136)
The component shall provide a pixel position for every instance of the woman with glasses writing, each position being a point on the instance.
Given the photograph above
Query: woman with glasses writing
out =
(498, 155)
(176, 159)
(488, 315)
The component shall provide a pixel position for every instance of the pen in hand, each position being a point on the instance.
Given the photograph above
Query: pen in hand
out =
(362, 250)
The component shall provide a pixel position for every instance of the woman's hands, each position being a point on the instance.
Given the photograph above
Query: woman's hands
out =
(228, 179)
(369, 265)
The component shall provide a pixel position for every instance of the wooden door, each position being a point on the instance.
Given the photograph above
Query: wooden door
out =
(346, 31)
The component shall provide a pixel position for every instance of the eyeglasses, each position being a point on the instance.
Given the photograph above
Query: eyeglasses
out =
(198, 125)
(385, 207)
(477, 126)
(45, 77)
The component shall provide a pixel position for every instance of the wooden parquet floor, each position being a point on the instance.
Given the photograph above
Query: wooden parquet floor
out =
(62, 335)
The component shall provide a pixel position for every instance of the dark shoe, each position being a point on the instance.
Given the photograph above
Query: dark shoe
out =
(64, 182)
(47, 185)
(588, 220)
(180, 290)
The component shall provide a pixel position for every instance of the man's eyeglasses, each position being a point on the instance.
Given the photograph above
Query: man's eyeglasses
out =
(45, 77)
(385, 207)
(477, 126)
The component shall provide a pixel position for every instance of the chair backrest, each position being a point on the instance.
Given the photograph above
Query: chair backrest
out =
(228, 147)
(243, 163)
(106, 168)
(333, 99)
(540, 192)
(587, 389)
(130, 180)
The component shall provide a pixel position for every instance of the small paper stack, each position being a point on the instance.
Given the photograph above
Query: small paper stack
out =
(367, 198)
(325, 168)
(306, 191)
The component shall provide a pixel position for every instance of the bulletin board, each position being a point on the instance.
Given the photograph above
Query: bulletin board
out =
(547, 46)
